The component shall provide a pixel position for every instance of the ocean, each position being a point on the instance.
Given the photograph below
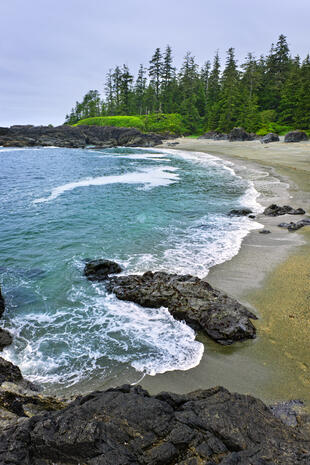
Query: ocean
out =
(147, 209)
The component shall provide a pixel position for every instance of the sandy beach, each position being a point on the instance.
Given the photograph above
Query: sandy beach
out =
(270, 274)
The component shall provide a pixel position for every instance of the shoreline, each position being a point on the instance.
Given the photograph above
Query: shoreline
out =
(275, 366)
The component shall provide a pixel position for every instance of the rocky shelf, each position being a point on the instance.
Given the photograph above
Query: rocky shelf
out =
(187, 298)
(74, 137)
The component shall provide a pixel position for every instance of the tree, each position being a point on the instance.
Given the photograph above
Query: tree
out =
(125, 91)
(229, 100)
(212, 95)
(155, 74)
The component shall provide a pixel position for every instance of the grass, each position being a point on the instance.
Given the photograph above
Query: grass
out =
(158, 122)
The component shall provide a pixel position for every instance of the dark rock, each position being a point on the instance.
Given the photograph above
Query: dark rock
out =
(2, 304)
(252, 217)
(295, 136)
(9, 372)
(271, 137)
(295, 226)
(275, 210)
(78, 136)
(172, 144)
(288, 411)
(215, 135)
(190, 299)
(239, 134)
(5, 339)
(240, 212)
(127, 426)
(100, 269)
(264, 231)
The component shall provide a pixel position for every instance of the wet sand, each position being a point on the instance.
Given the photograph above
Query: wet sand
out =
(270, 274)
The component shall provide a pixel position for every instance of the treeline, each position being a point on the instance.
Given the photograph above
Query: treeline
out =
(267, 93)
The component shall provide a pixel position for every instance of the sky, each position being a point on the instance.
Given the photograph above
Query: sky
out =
(53, 51)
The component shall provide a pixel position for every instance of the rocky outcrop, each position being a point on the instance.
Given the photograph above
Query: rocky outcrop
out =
(240, 212)
(275, 210)
(127, 426)
(295, 136)
(79, 136)
(100, 269)
(190, 299)
(239, 134)
(20, 398)
(271, 137)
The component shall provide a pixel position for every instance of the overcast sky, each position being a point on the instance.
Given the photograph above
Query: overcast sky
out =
(53, 51)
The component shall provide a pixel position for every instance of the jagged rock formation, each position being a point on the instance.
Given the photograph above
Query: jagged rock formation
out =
(127, 426)
(190, 299)
(79, 136)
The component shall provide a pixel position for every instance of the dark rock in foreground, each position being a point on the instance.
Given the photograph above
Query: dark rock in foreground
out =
(271, 137)
(100, 269)
(275, 210)
(240, 212)
(2, 305)
(295, 136)
(5, 339)
(239, 134)
(79, 136)
(127, 426)
(190, 299)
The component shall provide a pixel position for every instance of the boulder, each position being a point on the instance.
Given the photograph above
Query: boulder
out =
(240, 212)
(190, 299)
(128, 426)
(5, 339)
(295, 136)
(239, 134)
(275, 210)
(264, 231)
(271, 137)
(99, 270)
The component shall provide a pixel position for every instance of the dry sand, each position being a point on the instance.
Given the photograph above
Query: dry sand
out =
(271, 274)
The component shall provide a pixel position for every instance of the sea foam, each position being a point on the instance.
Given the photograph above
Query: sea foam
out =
(148, 177)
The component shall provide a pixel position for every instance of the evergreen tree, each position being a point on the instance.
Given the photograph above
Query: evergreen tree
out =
(277, 66)
(140, 91)
(125, 91)
(212, 95)
(230, 99)
(290, 94)
(302, 118)
(155, 74)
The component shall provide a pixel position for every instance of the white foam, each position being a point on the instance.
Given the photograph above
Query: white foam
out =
(148, 177)
(104, 331)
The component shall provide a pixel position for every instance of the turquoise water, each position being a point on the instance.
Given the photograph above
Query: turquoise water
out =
(146, 209)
